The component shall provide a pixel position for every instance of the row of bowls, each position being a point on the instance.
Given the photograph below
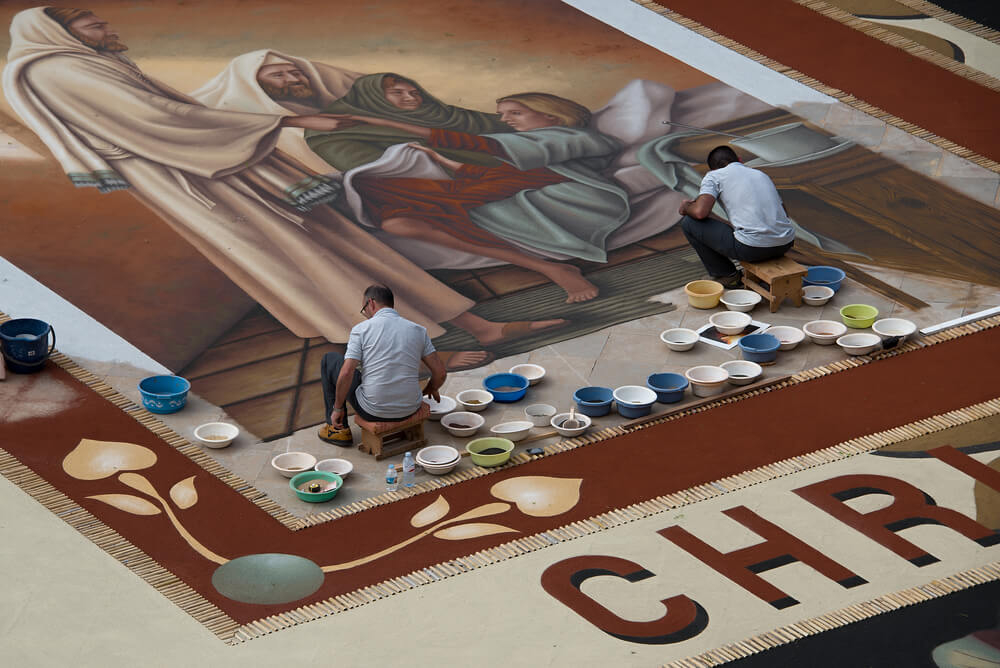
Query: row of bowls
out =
(464, 424)
(819, 285)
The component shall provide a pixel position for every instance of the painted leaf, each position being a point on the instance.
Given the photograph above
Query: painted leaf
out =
(472, 530)
(539, 496)
(130, 504)
(139, 483)
(484, 511)
(93, 460)
(431, 513)
(183, 493)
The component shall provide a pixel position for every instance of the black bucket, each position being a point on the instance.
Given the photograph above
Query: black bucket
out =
(25, 345)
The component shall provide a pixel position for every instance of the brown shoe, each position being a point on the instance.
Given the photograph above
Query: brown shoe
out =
(341, 437)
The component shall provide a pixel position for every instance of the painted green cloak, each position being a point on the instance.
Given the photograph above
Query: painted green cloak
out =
(359, 145)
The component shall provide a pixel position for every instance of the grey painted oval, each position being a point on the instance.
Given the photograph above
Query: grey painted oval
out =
(267, 579)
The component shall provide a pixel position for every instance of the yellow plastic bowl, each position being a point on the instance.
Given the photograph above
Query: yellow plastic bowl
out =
(476, 446)
(703, 294)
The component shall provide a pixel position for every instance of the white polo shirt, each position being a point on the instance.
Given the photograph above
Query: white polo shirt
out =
(389, 348)
(753, 205)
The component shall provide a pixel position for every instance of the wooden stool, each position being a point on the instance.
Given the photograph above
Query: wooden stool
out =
(386, 439)
(775, 280)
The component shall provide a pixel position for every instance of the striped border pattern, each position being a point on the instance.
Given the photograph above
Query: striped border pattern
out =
(229, 631)
(815, 84)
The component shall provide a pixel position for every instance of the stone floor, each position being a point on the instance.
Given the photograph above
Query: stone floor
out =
(620, 355)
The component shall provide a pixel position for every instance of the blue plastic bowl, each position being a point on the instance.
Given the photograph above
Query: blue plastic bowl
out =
(594, 401)
(759, 347)
(506, 380)
(164, 394)
(669, 387)
(830, 277)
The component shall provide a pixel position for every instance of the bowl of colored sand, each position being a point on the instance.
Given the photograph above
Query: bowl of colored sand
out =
(316, 486)
(788, 337)
(474, 400)
(740, 300)
(858, 316)
(859, 344)
(679, 338)
(539, 414)
(489, 451)
(341, 467)
(533, 372)
(594, 401)
(216, 434)
(759, 347)
(440, 408)
(816, 295)
(462, 423)
(707, 380)
(703, 294)
(893, 331)
(742, 372)
(514, 431)
(669, 387)
(824, 332)
(164, 394)
(560, 419)
(438, 459)
(506, 387)
(829, 277)
(634, 401)
(290, 464)
(730, 322)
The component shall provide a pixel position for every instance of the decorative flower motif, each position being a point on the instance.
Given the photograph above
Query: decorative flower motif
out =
(539, 496)
(94, 460)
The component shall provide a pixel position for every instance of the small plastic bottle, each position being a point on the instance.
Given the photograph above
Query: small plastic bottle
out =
(391, 481)
(409, 469)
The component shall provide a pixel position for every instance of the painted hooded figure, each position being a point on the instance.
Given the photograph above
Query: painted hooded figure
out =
(352, 147)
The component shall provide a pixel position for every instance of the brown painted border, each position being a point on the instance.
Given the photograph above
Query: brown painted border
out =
(954, 20)
(805, 79)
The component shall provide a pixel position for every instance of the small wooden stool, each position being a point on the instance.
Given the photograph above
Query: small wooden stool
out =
(386, 439)
(775, 280)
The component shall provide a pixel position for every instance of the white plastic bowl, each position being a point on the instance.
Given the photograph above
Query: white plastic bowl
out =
(532, 372)
(341, 467)
(890, 327)
(438, 459)
(788, 337)
(466, 399)
(473, 421)
(824, 332)
(679, 338)
(441, 408)
(816, 295)
(634, 395)
(707, 380)
(743, 372)
(557, 421)
(730, 322)
(216, 434)
(859, 344)
(740, 300)
(512, 431)
(539, 414)
(290, 464)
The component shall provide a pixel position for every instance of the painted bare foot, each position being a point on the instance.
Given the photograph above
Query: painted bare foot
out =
(460, 360)
(508, 331)
(570, 279)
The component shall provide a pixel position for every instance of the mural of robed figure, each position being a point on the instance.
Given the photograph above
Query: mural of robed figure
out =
(215, 177)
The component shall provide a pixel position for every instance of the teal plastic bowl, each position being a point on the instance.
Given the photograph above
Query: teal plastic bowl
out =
(322, 476)
(858, 316)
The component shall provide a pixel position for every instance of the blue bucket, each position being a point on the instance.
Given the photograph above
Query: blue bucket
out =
(24, 343)
(514, 380)
(594, 401)
(669, 387)
(164, 394)
(830, 277)
(759, 347)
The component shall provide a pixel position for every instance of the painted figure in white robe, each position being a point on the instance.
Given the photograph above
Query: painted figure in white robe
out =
(216, 177)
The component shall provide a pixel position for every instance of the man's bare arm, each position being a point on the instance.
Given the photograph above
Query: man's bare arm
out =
(338, 418)
(438, 374)
(699, 208)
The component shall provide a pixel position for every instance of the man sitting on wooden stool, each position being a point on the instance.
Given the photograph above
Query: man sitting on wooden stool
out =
(760, 229)
(389, 350)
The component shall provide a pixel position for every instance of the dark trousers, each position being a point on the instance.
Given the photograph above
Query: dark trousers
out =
(329, 371)
(716, 245)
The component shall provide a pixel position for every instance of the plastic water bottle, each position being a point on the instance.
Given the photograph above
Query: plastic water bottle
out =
(409, 469)
(391, 481)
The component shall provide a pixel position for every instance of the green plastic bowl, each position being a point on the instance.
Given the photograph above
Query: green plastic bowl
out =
(475, 446)
(858, 316)
(316, 497)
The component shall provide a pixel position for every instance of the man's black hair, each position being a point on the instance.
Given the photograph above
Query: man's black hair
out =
(381, 294)
(721, 156)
